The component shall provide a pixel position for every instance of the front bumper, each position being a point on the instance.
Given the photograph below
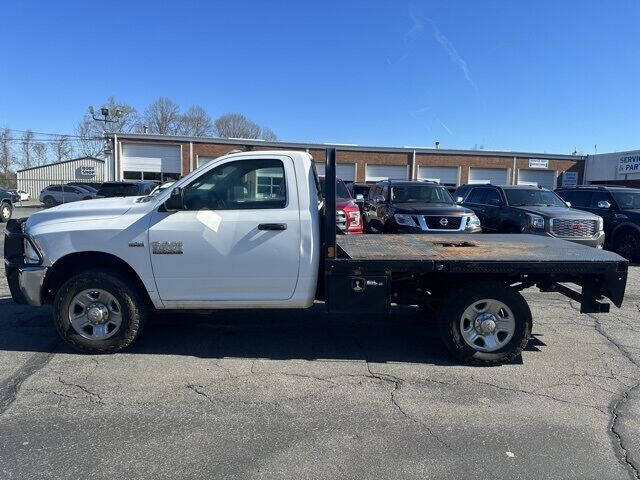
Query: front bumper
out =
(595, 242)
(407, 229)
(25, 284)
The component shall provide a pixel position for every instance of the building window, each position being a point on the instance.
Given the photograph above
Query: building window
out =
(151, 176)
(131, 175)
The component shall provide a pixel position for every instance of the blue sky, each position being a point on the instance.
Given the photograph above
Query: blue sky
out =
(545, 76)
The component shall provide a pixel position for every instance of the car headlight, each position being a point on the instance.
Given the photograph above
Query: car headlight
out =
(600, 224)
(473, 222)
(404, 219)
(31, 255)
(536, 221)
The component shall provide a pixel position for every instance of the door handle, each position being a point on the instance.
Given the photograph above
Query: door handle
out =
(272, 226)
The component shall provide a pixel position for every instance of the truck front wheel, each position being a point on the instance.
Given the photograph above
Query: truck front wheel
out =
(485, 324)
(98, 312)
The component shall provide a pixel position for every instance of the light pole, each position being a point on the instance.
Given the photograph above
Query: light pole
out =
(104, 111)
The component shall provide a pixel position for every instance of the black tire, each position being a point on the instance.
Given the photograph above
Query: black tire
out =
(451, 311)
(49, 201)
(6, 210)
(133, 304)
(627, 244)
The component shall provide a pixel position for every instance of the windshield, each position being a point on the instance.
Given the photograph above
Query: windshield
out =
(420, 194)
(341, 189)
(627, 200)
(533, 197)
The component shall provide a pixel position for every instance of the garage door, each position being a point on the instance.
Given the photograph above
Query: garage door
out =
(375, 173)
(444, 175)
(344, 171)
(495, 176)
(150, 162)
(539, 178)
(201, 160)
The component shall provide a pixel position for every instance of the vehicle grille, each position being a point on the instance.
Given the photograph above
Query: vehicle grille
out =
(341, 220)
(562, 227)
(433, 222)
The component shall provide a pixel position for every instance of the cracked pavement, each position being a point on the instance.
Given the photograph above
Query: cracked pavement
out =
(284, 394)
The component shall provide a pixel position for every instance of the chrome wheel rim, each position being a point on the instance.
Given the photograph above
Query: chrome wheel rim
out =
(5, 212)
(487, 325)
(95, 314)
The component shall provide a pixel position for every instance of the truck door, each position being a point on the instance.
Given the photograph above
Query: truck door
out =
(238, 237)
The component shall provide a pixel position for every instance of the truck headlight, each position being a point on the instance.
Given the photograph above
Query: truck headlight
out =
(473, 222)
(600, 224)
(31, 256)
(536, 221)
(404, 219)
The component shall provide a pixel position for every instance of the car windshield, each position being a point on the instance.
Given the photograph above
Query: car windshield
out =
(341, 189)
(533, 197)
(119, 190)
(627, 200)
(420, 194)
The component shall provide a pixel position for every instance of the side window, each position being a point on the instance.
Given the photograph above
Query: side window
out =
(477, 195)
(55, 188)
(580, 199)
(492, 194)
(566, 195)
(240, 185)
(599, 197)
(385, 191)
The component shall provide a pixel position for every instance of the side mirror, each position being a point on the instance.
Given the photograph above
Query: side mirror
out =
(604, 204)
(175, 201)
(378, 198)
(568, 204)
(459, 200)
(494, 202)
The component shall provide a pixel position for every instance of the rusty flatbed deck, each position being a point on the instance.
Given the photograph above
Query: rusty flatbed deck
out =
(472, 253)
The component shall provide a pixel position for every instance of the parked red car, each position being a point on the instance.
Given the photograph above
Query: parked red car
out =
(348, 217)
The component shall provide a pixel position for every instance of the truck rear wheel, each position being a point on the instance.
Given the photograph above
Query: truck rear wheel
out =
(5, 212)
(98, 312)
(485, 324)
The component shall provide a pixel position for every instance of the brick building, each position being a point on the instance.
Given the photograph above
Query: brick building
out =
(155, 157)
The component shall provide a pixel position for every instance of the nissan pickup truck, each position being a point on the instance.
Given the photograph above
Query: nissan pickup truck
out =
(246, 231)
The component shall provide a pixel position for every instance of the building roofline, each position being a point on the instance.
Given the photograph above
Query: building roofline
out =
(346, 147)
(613, 153)
(59, 163)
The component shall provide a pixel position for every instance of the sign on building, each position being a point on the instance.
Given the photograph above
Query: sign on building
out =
(538, 163)
(629, 164)
(87, 171)
(569, 179)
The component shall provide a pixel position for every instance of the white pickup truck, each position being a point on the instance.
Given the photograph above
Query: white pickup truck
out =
(246, 232)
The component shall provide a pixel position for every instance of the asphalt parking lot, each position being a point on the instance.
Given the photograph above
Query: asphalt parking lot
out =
(281, 394)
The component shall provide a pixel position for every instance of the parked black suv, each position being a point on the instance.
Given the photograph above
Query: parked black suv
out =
(620, 209)
(6, 205)
(127, 188)
(527, 209)
(405, 206)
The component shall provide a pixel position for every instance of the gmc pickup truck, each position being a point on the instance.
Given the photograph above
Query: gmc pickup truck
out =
(250, 231)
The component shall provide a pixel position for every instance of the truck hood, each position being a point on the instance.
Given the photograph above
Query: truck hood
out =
(431, 209)
(557, 212)
(97, 209)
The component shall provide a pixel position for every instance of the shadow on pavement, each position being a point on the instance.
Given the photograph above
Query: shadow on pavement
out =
(404, 335)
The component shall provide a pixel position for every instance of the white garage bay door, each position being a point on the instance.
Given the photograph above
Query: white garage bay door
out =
(150, 162)
(538, 178)
(344, 171)
(201, 160)
(494, 176)
(444, 175)
(375, 173)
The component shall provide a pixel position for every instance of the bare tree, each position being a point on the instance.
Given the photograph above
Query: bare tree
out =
(196, 122)
(163, 117)
(90, 142)
(26, 145)
(39, 151)
(268, 135)
(236, 125)
(7, 158)
(62, 148)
